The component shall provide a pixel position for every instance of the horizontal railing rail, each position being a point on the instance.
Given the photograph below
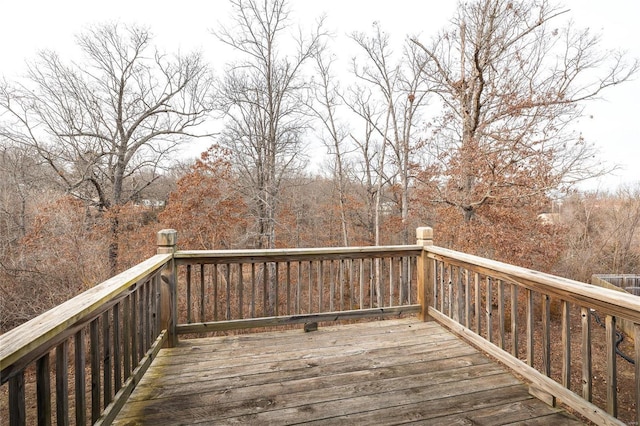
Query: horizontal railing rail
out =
(233, 289)
(94, 347)
(526, 319)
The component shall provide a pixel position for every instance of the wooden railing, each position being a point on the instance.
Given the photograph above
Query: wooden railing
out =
(103, 340)
(525, 319)
(95, 347)
(224, 290)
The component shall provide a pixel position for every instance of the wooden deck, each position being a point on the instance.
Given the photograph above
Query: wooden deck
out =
(384, 372)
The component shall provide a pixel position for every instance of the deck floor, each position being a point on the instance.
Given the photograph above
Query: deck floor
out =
(383, 372)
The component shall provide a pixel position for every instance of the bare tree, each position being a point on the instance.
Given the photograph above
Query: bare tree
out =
(326, 107)
(101, 122)
(262, 96)
(366, 170)
(400, 87)
(511, 83)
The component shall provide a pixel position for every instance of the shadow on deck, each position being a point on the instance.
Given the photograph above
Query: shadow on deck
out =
(381, 372)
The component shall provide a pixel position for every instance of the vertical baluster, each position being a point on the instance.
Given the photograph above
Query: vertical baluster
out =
(441, 282)
(489, 309)
(636, 334)
(276, 301)
(141, 334)
(202, 294)
(265, 289)
(134, 329)
(587, 382)
(412, 267)
(402, 280)
(501, 314)
(227, 277)
(43, 390)
(17, 415)
(467, 299)
(566, 345)
(351, 281)
(106, 357)
(514, 320)
(117, 355)
(530, 327)
(62, 383)
(612, 376)
(371, 286)
(405, 280)
(253, 290)
(240, 290)
(299, 287)
(80, 377)
(214, 279)
(438, 286)
(478, 298)
(546, 335)
(320, 280)
(341, 278)
(450, 292)
(332, 285)
(310, 286)
(392, 282)
(147, 316)
(288, 288)
(156, 300)
(361, 283)
(460, 297)
(126, 336)
(94, 335)
(379, 274)
(188, 294)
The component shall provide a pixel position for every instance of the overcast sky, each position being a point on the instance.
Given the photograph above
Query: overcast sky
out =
(613, 123)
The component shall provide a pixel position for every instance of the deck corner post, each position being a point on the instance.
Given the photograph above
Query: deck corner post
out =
(167, 240)
(424, 237)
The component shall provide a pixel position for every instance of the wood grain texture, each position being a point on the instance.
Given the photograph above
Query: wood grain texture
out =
(382, 372)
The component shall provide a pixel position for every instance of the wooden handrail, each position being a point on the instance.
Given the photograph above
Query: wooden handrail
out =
(293, 255)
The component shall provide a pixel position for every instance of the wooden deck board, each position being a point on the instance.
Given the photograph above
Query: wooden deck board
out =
(387, 372)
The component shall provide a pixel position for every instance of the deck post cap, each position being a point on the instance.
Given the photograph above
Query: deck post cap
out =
(167, 238)
(424, 233)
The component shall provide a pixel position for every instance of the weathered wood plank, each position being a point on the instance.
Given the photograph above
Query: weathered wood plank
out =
(527, 412)
(426, 410)
(373, 373)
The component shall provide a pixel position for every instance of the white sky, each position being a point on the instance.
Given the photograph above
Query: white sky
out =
(30, 25)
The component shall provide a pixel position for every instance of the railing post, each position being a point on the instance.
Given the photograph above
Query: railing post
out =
(424, 237)
(167, 239)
